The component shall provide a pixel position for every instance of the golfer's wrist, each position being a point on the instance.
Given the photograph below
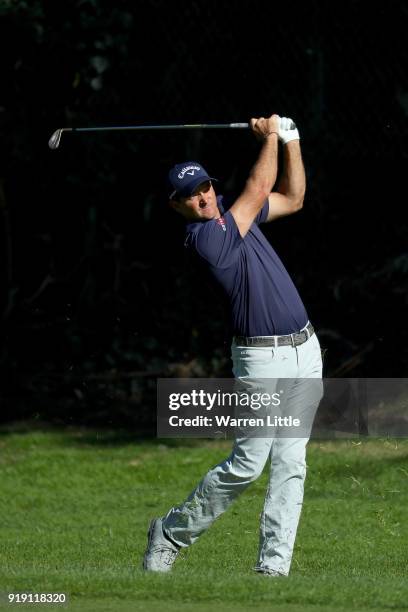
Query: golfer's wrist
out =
(271, 133)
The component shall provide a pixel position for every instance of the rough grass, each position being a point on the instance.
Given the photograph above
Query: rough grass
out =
(75, 506)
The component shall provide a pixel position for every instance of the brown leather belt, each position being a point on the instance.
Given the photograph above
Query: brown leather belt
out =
(289, 340)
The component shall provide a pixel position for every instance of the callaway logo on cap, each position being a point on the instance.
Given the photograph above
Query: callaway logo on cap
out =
(185, 177)
(188, 170)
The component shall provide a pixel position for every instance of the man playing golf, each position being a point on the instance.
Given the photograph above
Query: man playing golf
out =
(272, 339)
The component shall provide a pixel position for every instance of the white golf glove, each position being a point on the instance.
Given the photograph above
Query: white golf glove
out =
(287, 130)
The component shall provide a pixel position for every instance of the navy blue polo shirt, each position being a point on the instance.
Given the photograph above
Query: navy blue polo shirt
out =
(262, 297)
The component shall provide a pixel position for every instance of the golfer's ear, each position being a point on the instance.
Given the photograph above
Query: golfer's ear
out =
(174, 205)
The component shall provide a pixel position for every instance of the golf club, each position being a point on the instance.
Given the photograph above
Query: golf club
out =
(55, 139)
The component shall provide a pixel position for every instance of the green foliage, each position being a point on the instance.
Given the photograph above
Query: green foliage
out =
(94, 284)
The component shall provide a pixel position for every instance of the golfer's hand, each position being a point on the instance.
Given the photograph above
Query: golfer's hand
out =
(262, 126)
(287, 130)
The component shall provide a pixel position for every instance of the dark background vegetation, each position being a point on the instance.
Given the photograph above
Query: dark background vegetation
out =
(97, 298)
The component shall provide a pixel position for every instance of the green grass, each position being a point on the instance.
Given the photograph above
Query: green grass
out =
(75, 506)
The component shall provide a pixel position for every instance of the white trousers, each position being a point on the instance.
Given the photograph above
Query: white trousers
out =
(284, 495)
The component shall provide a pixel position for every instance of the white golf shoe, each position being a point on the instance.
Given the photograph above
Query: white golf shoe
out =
(160, 552)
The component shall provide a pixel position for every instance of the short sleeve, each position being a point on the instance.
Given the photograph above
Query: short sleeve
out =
(218, 241)
(263, 213)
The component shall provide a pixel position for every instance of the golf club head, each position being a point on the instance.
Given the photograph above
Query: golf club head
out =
(55, 139)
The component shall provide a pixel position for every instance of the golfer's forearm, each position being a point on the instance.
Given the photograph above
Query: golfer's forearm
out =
(262, 176)
(292, 183)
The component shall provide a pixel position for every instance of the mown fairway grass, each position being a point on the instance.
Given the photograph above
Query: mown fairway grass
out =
(75, 506)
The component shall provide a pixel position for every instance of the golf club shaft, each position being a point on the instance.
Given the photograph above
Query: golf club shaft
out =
(186, 126)
(54, 141)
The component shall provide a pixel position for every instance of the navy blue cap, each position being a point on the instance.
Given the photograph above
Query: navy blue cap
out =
(185, 177)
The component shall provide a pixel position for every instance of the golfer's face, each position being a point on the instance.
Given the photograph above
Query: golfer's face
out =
(201, 204)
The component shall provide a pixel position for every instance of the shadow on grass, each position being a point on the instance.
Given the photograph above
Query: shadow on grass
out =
(78, 435)
(369, 464)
